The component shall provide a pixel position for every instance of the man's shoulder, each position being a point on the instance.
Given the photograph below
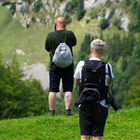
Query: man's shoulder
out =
(70, 32)
(51, 33)
(56, 32)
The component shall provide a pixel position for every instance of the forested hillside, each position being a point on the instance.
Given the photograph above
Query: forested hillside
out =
(24, 25)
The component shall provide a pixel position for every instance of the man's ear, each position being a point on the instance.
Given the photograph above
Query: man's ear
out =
(54, 26)
(64, 25)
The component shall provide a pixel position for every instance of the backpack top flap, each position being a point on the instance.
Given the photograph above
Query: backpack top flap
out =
(94, 72)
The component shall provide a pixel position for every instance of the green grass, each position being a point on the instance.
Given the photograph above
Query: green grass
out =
(122, 125)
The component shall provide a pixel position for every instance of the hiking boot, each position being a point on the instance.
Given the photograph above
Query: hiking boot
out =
(51, 112)
(68, 112)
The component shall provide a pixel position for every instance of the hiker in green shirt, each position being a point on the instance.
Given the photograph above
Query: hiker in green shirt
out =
(57, 73)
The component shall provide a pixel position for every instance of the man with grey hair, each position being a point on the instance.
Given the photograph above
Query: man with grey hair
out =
(93, 78)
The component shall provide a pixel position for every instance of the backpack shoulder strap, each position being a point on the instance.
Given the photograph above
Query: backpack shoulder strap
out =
(109, 70)
(83, 77)
(61, 40)
(65, 36)
(110, 88)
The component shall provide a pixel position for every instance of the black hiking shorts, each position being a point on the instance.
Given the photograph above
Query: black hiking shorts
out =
(92, 119)
(66, 74)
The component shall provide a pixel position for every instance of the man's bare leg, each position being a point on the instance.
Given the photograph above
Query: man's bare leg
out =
(96, 138)
(85, 137)
(68, 102)
(51, 100)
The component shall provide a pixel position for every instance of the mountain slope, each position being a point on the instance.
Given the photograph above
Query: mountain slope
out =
(28, 43)
(14, 36)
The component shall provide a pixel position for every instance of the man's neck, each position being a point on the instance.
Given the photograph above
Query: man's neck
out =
(60, 28)
(95, 56)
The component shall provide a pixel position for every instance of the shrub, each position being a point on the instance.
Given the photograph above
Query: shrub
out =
(104, 24)
(117, 22)
(135, 24)
(37, 6)
(93, 13)
(133, 96)
(85, 48)
(75, 7)
(19, 98)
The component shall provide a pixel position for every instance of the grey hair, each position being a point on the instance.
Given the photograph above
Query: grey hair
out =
(97, 45)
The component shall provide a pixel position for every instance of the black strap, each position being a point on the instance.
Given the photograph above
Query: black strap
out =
(109, 71)
(65, 36)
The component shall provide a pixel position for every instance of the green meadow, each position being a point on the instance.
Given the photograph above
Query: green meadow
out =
(121, 125)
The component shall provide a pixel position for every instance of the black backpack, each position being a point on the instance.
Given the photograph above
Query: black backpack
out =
(92, 86)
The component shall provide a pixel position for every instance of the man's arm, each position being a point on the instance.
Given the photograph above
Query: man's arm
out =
(47, 43)
(73, 39)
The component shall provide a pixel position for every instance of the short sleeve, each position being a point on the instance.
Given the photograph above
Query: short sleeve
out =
(78, 70)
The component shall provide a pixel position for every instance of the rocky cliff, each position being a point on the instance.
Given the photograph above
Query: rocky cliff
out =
(44, 11)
